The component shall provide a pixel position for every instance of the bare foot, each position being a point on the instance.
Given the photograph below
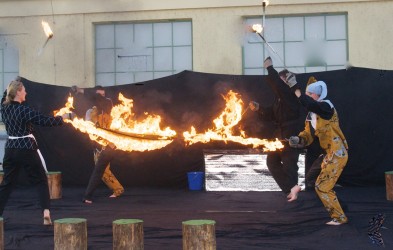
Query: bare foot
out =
(335, 222)
(113, 196)
(87, 201)
(47, 220)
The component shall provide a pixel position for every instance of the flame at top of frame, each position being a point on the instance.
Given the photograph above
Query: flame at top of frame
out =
(257, 28)
(47, 29)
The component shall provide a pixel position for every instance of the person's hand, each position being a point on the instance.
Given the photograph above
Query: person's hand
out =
(76, 90)
(68, 116)
(296, 142)
(268, 62)
(298, 93)
(254, 106)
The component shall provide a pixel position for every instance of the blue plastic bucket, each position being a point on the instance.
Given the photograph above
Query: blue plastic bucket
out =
(195, 180)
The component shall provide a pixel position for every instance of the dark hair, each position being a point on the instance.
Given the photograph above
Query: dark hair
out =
(283, 72)
(99, 87)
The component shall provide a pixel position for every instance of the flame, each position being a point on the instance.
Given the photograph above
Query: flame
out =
(67, 109)
(224, 125)
(125, 132)
(47, 29)
(123, 120)
(257, 28)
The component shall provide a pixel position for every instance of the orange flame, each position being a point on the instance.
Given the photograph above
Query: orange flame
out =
(123, 120)
(67, 109)
(125, 132)
(224, 125)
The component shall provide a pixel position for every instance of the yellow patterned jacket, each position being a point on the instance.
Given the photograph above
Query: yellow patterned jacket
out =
(331, 138)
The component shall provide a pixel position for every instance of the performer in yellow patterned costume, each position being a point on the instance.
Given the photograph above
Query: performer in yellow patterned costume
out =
(322, 124)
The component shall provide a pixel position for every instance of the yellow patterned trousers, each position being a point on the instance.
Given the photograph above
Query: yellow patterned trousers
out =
(331, 169)
(109, 179)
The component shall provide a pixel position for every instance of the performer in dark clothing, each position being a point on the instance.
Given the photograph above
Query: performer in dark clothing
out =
(21, 149)
(313, 157)
(285, 112)
(100, 115)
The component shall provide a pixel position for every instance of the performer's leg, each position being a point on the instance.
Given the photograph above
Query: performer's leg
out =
(38, 178)
(331, 169)
(111, 181)
(313, 172)
(11, 169)
(290, 157)
(274, 164)
(95, 179)
(312, 164)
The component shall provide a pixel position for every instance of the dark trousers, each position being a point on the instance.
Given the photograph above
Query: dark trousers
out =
(105, 157)
(283, 167)
(313, 161)
(14, 159)
(312, 171)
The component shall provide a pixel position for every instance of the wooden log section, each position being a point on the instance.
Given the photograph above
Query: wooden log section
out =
(54, 183)
(1, 234)
(128, 234)
(199, 235)
(389, 185)
(70, 234)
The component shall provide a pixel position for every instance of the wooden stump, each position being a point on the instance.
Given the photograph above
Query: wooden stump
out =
(1, 234)
(199, 235)
(128, 234)
(389, 185)
(54, 183)
(1, 176)
(70, 234)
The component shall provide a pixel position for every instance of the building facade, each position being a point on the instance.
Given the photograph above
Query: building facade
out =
(126, 41)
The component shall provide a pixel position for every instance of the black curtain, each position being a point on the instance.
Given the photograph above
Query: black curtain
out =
(361, 96)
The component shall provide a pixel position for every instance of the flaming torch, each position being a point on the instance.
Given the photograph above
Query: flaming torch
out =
(48, 32)
(258, 29)
(224, 128)
(126, 133)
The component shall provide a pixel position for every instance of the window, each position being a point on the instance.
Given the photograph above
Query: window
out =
(9, 63)
(135, 52)
(299, 43)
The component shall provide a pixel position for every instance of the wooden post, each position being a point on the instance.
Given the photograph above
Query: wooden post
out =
(70, 234)
(1, 234)
(128, 234)
(54, 183)
(1, 176)
(199, 235)
(389, 185)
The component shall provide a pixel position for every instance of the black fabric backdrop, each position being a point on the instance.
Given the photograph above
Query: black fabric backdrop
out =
(361, 96)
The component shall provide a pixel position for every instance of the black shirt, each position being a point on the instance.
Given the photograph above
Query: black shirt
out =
(19, 120)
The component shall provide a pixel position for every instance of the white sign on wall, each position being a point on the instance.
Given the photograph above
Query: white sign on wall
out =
(241, 170)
